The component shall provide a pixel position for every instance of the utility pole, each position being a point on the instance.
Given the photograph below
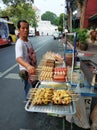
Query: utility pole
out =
(63, 16)
(63, 22)
(64, 12)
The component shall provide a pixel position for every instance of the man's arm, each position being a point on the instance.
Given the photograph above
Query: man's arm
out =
(30, 69)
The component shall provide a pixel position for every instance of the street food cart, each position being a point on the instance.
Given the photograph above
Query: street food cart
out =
(50, 83)
(54, 75)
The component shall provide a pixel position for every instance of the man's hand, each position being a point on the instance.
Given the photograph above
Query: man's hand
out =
(31, 70)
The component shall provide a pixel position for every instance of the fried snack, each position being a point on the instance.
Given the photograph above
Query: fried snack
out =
(46, 76)
(42, 96)
(61, 97)
(31, 93)
(50, 64)
(46, 73)
(50, 61)
(47, 68)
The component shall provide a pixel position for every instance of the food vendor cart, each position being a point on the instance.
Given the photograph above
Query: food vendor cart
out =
(46, 81)
(80, 87)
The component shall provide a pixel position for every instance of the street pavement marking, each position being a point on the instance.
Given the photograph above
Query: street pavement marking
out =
(12, 67)
(25, 129)
(41, 46)
(12, 76)
(8, 70)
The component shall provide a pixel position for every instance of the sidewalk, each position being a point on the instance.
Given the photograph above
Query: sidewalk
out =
(89, 54)
(91, 49)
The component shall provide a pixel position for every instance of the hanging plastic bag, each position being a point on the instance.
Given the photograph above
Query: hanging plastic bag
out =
(94, 118)
(80, 118)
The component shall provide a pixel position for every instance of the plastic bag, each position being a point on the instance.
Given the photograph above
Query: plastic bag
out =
(80, 118)
(94, 118)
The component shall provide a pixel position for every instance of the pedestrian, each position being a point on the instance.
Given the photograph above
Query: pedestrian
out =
(25, 56)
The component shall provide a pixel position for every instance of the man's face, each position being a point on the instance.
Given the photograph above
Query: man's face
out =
(24, 29)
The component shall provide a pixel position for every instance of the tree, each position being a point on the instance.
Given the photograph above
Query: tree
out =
(50, 16)
(82, 5)
(69, 5)
(74, 4)
(62, 21)
(15, 2)
(20, 11)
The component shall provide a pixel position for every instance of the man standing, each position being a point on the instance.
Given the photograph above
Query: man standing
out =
(25, 55)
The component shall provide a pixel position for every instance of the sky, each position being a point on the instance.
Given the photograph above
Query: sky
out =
(1, 5)
(55, 6)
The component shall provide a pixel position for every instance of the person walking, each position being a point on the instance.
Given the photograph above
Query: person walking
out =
(25, 55)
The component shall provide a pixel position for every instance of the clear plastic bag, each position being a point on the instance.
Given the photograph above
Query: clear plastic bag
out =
(94, 118)
(80, 118)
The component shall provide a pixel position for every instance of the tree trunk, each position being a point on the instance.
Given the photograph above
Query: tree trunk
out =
(68, 19)
(82, 12)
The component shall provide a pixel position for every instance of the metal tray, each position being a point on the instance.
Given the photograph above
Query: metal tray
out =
(56, 109)
(55, 85)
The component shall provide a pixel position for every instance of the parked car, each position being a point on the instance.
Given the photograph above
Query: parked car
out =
(31, 34)
(60, 35)
(57, 35)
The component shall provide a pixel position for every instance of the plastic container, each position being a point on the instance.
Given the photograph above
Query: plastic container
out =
(68, 57)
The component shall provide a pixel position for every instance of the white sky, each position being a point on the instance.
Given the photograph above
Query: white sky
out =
(55, 6)
(1, 5)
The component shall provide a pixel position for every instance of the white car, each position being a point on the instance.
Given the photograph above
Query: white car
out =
(31, 34)
(56, 35)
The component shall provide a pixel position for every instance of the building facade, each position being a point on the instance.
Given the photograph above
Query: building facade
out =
(91, 14)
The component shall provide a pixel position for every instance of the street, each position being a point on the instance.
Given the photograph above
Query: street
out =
(12, 112)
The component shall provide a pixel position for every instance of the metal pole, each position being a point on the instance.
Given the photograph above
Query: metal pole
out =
(70, 20)
(64, 17)
(63, 123)
(63, 21)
